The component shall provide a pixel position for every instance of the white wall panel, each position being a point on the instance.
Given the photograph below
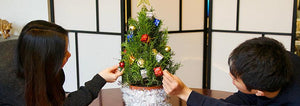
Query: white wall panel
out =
(224, 14)
(222, 46)
(97, 52)
(192, 14)
(76, 14)
(70, 68)
(109, 16)
(266, 15)
(20, 12)
(284, 39)
(165, 10)
(188, 49)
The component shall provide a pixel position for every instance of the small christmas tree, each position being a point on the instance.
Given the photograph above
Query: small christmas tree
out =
(145, 53)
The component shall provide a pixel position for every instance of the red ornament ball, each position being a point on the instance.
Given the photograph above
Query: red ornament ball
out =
(145, 38)
(122, 64)
(158, 72)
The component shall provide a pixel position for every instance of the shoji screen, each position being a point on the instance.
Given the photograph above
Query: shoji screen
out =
(185, 22)
(70, 68)
(234, 21)
(188, 48)
(94, 38)
(19, 14)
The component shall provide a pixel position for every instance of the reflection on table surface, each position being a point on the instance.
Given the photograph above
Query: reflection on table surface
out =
(113, 97)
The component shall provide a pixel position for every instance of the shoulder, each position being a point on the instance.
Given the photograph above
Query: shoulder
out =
(295, 61)
(242, 99)
(292, 90)
(294, 57)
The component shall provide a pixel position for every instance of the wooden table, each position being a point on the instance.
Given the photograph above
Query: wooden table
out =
(113, 97)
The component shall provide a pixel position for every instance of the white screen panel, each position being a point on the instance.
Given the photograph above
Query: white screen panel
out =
(97, 52)
(109, 16)
(165, 10)
(192, 14)
(224, 14)
(222, 46)
(188, 49)
(76, 14)
(266, 15)
(284, 39)
(20, 12)
(70, 68)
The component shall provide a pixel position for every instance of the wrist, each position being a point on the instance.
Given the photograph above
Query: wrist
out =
(184, 95)
(103, 76)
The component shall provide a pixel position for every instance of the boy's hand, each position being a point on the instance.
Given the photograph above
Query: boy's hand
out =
(174, 86)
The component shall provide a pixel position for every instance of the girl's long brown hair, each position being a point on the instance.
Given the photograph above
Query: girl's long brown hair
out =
(40, 53)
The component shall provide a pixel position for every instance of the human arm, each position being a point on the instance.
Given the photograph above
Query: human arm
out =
(111, 74)
(86, 94)
(237, 99)
(174, 86)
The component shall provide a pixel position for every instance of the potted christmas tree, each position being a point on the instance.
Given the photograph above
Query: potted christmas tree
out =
(145, 54)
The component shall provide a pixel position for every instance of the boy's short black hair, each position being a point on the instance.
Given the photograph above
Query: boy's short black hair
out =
(262, 63)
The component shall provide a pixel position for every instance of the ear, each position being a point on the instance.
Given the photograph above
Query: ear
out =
(259, 93)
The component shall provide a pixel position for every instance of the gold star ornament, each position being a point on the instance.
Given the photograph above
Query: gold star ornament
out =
(143, 2)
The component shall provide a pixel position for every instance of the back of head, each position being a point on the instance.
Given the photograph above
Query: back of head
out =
(40, 53)
(262, 63)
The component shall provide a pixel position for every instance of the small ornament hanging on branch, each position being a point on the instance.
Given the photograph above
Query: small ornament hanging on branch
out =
(131, 29)
(156, 22)
(145, 38)
(157, 71)
(149, 14)
(159, 57)
(144, 73)
(154, 51)
(168, 49)
(131, 59)
(122, 64)
(129, 38)
(140, 63)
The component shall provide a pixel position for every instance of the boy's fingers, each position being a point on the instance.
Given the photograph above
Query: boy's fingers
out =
(167, 76)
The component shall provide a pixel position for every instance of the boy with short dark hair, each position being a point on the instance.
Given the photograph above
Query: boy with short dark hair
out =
(261, 69)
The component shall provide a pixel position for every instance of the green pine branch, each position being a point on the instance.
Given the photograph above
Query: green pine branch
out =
(137, 50)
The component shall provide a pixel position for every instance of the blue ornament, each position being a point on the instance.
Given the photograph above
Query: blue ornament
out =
(129, 37)
(156, 22)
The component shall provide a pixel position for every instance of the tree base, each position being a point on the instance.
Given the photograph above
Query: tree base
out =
(145, 96)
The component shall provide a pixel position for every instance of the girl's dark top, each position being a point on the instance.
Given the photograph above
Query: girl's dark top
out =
(12, 87)
(86, 94)
(13, 95)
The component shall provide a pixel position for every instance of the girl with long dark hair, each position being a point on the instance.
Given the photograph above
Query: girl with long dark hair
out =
(41, 54)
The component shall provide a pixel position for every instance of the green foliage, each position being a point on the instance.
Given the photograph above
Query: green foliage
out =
(138, 50)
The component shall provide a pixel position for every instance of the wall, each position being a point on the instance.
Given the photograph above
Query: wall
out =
(20, 12)
(188, 51)
(234, 22)
(95, 38)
